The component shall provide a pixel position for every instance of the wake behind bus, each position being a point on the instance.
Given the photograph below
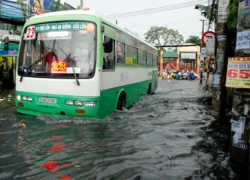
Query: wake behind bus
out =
(78, 64)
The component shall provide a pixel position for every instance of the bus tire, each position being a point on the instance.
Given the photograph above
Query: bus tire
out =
(149, 89)
(121, 101)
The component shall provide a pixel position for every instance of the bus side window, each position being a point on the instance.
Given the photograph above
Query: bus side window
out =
(120, 52)
(109, 58)
(149, 59)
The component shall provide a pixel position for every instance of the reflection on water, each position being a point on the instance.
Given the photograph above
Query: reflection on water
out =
(169, 135)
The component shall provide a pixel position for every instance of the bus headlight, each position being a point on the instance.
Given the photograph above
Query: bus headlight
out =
(25, 98)
(90, 104)
(18, 97)
(69, 102)
(29, 98)
(78, 103)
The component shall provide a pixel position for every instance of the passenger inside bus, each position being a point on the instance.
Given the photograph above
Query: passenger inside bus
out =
(49, 56)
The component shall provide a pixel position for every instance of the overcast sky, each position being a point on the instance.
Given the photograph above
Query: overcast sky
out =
(182, 16)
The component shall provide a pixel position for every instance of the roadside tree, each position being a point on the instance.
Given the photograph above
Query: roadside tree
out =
(194, 40)
(160, 36)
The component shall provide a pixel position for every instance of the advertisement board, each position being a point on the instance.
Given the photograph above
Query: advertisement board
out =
(238, 72)
(40, 6)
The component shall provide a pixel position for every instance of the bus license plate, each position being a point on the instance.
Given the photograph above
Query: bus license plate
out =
(47, 100)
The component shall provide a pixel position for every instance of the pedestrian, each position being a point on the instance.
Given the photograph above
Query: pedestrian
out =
(191, 76)
(1, 73)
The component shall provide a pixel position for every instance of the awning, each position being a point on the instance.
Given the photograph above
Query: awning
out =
(11, 12)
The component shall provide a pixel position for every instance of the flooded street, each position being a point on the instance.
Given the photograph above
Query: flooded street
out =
(173, 134)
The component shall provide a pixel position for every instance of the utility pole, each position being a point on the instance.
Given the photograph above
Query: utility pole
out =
(202, 25)
(240, 122)
(202, 32)
(219, 76)
(161, 61)
(81, 4)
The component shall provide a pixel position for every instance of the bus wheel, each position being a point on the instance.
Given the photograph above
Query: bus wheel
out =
(149, 89)
(121, 102)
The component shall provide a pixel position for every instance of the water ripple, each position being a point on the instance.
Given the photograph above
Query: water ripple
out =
(163, 136)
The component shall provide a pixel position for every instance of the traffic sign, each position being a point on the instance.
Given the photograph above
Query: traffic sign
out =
(208, 36)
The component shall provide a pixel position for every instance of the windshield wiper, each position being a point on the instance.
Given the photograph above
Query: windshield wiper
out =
(72, 63)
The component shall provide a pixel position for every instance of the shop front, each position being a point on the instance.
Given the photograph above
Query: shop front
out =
(8, 64)
(189, 58)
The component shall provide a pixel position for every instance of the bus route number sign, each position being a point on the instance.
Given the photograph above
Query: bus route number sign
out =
(30, 33)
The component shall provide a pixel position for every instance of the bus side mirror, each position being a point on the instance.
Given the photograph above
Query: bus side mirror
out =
(108, 45)
(6, 43)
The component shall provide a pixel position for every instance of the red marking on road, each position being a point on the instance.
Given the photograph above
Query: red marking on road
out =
(57, 147)
(55, 137)
(51, 166)
(65, 178)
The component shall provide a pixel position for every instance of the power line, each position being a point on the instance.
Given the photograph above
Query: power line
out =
(156, 10)
(162, 24)
(148, 12)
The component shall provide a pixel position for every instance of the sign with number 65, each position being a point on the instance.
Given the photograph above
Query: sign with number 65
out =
(238, 72)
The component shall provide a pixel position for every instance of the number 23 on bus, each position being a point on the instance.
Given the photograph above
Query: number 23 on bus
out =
(58, 66)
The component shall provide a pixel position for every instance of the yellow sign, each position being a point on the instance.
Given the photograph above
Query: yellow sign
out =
(238, 72)
(129, 60)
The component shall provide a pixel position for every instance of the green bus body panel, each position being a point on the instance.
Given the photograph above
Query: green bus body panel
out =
(37, 108)
(106, 103)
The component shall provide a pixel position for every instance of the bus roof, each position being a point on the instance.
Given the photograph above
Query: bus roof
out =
(93, 13)
(67, 12)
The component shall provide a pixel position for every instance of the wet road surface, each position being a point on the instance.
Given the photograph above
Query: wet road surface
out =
(173, 134)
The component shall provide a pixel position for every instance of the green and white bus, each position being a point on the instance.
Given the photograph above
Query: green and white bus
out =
(78, 64)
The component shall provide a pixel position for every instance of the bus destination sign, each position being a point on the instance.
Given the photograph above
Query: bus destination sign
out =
(65, 26)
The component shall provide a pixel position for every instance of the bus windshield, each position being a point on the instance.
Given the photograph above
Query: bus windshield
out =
(58, 50)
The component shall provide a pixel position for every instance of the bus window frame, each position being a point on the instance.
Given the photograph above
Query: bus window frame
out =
(107, 69)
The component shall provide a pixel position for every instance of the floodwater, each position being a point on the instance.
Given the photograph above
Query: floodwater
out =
(173, 134)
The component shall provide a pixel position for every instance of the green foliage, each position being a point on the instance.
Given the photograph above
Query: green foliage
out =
(56, 4)
(194, 40)
(208, 12)
(160, 36)
(233, 15)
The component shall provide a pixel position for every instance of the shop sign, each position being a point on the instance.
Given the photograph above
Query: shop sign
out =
(221, 38)
(188, 55)
(216, 81)
(243, 40)
(238, 127)
(223, 11)
(240, 146)
(247, 2)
